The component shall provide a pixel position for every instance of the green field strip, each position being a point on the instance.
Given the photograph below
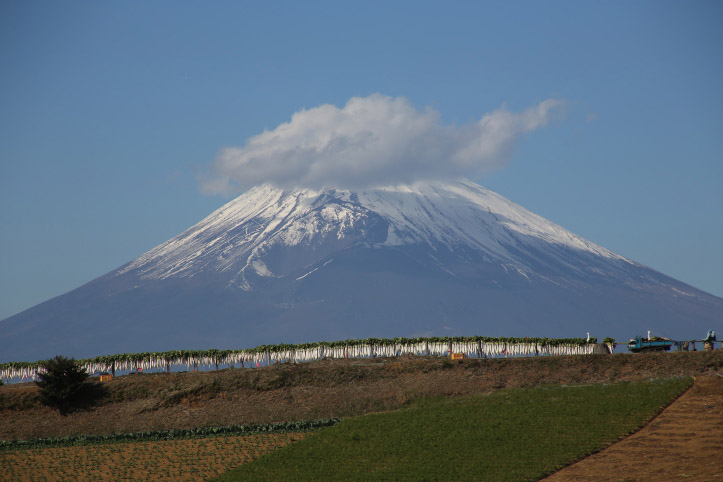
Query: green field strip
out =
(520, 434)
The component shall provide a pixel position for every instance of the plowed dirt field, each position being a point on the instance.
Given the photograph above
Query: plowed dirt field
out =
(177, 460)
(685, 442)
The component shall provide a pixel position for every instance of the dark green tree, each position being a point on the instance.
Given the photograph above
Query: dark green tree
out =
(62, 383)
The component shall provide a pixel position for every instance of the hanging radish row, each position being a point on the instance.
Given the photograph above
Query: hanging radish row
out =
(476, 346)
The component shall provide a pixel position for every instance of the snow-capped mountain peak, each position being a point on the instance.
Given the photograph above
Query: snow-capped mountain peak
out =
(238, 238)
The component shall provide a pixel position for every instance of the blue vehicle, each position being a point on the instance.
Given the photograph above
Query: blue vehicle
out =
(655, 343)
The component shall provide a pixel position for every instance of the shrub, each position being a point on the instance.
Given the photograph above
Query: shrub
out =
(63, 384)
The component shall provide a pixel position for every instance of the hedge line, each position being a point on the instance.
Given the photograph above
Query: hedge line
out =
(173, 434)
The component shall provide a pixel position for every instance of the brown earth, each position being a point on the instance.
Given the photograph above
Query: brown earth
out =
(177, 460)
(315, 390)
(685, 442)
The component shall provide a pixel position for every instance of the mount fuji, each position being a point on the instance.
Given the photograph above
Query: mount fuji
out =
(430, 258)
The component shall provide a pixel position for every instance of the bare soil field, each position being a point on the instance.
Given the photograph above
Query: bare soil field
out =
(177, 460)
(685, 442)
(319, 390)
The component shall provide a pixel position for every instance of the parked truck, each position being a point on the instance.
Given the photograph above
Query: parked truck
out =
(654, 343)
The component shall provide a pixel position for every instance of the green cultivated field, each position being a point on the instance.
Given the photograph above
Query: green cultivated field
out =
(520, 434)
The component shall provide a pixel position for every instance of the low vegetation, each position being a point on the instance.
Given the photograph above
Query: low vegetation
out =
(508, 435)
(175, 434)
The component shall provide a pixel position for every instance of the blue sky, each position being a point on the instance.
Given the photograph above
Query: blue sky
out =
(110, 111)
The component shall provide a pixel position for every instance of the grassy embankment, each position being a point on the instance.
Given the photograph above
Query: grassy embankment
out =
(519, 434)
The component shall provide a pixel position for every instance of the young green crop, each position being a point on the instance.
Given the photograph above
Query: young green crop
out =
(519, 434)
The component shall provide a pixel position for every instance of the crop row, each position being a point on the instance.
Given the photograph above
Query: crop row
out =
(370, 347)
(172, 434)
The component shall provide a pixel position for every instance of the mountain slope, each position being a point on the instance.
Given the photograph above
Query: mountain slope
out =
(290, 266)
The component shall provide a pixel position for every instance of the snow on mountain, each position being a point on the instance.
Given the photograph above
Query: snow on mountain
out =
(438, 215)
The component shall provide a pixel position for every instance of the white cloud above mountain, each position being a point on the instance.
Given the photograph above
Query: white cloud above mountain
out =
(372, 141)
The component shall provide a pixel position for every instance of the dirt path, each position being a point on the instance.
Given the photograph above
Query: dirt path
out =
(685, 442)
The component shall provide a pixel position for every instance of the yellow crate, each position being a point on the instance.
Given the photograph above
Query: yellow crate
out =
(106, 378)
(457, 356)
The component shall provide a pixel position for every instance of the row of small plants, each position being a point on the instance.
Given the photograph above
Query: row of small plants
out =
(172, 434)
(214, 356)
